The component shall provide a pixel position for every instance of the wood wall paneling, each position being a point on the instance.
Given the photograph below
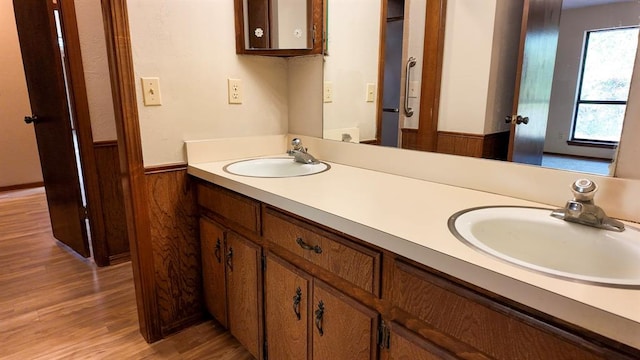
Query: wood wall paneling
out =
(176, 248)
(459, 144)
(111, 195)
(489, 146)
(496, 146)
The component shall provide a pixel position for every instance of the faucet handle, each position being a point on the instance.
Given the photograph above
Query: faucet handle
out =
(584, 190)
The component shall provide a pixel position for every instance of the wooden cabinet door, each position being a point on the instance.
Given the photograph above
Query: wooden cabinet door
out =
(244, 277)
(404, 345)
(212, 243)
(341, 327)
(287, 302)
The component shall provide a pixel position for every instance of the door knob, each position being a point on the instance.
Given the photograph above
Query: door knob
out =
(516, 119)
(30, 119)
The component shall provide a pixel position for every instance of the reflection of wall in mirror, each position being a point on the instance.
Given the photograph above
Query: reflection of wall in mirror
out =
(289, 24)
(479, 65)
(352, 62)
(629, 148)
(573, 25)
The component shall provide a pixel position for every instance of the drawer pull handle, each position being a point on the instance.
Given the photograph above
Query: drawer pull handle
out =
(230, 259)
(296, 302)
(217, 251)
(319, 315)
(317, 249)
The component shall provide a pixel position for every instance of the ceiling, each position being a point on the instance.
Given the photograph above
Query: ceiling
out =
(570, 4)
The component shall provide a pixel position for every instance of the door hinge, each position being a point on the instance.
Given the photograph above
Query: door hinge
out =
(265, 348)
(85, 212)
(384, 336)
(264, 262)
(313, 36)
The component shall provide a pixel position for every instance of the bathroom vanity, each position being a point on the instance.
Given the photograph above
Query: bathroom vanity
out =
(314, 267)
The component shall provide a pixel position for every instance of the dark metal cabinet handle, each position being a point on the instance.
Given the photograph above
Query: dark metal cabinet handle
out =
(218, 250)
(319, 314)
(306, 246)
(296, 302)
(230, 259)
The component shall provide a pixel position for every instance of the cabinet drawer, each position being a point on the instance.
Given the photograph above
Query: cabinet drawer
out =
(493, 328)
(342, 257)
(234, 207)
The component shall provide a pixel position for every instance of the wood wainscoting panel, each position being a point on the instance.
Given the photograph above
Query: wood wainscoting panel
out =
(112, 201)
(176, 247)
(460, 144)
(496, 146)
(489, 146)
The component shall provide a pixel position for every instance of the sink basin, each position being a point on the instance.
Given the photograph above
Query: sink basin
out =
(531, 238)
(274, 168)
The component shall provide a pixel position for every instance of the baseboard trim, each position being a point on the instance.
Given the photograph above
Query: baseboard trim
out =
(21, 186)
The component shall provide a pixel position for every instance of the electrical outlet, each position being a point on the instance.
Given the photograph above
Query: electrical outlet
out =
(371, 92)
(328, 92)
(151, 91)
(235, 91)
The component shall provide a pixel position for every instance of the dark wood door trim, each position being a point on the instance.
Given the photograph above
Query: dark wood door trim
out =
(116, 24)
(381, 62)
(80, 110)
(432, 56)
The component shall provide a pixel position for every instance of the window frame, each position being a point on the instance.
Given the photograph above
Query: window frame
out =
(592, 142)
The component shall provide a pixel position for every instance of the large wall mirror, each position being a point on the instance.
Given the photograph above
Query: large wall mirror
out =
(585, 49)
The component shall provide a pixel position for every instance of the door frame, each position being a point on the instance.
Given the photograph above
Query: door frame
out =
(425, 137)
(80, 114)
(118, 41)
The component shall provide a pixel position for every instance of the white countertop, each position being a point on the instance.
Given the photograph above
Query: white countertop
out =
(409, 217)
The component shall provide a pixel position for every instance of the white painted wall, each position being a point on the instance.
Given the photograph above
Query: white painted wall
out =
(96, 69)
(573, 24)
(305, 95)
(628, 165)
(19, 161)
(351, 63)
(190, 46)
(467, 60)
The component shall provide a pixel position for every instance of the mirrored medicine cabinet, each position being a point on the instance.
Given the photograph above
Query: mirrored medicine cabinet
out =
(279, 27)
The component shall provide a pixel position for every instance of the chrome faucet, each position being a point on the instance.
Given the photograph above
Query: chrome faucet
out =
(300, 153)
(583, 210)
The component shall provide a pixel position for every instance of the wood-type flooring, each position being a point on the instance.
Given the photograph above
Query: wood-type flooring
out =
(56, 305)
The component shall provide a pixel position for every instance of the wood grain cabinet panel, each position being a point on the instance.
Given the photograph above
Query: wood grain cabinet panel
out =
(354, 263)
(404, 345)
(244, 283)
(238, 209)
(287, 302)
(496, 330)
(212, 240)
(342, 328)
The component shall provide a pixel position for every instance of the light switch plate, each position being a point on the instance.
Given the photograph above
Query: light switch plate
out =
(328, 92)
(371, 92)
(151, 91)
(235, 91)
